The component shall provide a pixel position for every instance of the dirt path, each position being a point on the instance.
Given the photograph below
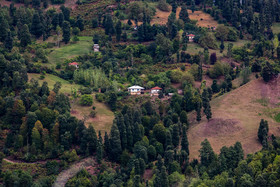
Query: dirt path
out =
(65, 175)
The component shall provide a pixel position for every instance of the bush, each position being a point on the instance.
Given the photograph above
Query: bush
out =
(163, 6)
(92, 114)
(86, 100)
(52, 167)
(218, 70)
(100, 97)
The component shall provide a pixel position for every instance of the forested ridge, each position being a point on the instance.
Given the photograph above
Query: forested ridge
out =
(100, 49)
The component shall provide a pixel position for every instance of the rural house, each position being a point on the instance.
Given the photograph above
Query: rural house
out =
(75, 64)
(95, 47)
(191, 37)
(155, 91)
(135, 90)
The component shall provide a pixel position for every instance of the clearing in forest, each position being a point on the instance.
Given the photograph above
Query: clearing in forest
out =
(236, 117)
(103, 119)
(66, 86)
(58, 55)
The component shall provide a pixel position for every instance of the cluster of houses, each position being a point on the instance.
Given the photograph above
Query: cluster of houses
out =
(137, 90)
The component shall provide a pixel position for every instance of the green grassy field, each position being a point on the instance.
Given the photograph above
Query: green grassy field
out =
(58, 55)
(276, 28)
(194, 48)
(52, 79)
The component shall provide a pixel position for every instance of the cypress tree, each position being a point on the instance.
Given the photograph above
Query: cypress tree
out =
(198, 111)
(107, 146)
(99, 151)
(184, 141)
(9, 42)
(118, 31)
(80, 23)
(25, 37)
(175, 135)
(92, 140)
(207, 155)
(4, 27)
(66, 31)
(55, 21)
(263, 131)
(115, 143)
(36, 26)
(184, 15)
(60, 19)
(163, 178)
(168, 140)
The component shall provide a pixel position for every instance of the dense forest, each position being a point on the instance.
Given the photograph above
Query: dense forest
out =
(66, 66)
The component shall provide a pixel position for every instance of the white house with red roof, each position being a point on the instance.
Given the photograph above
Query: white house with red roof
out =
(191, 37)
(155, 90)
(75, 64)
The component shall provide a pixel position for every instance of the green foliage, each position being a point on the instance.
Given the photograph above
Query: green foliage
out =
(86, 100)
(163, 6)
(208, 41)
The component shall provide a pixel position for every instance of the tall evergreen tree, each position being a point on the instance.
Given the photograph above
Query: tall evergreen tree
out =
(92, 140)
(66, 31)
(207, 155)
(36, 26)
(115, 143)
(184, 15)
(184, 140)
(118, 31)
(9, 42)
(25, 37)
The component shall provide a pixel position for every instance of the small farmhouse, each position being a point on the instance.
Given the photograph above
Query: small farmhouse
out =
(155, 90)
(135, 90)
(75, 64)
(191, 37)
(95, 47)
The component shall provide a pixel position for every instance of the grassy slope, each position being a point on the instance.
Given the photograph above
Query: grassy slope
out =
(276, 28)
(52, 79)
(236, 117)
(104, 117)
(58, 55)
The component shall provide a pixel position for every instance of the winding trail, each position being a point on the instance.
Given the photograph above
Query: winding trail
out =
(65, 175)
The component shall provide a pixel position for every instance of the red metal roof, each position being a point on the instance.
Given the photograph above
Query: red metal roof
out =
(156, 88)
(73, 64)
(191, 35)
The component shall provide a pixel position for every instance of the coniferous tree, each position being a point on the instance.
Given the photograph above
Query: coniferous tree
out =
(92, 140)
(115, 143)
(263, 131)
(107, 144)
(4, 27)
(207, 155)
(36, 26)
(66, 31)
(25, 37)
(164, 179)
(184, 15)
(80, 23)
(99, 151)
(198, 111)
(9, 42)
(184, 141)
(118, 31)
(175, 135)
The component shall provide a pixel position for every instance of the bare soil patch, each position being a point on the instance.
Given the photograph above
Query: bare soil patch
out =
(236, 117)
(203, 19)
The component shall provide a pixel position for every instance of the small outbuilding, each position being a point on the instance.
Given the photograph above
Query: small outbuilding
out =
(136, 90)
(95, 47)
(156, 90)
(191, 37)
(75, 64)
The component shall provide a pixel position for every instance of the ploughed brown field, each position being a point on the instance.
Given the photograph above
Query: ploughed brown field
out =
(236, 117)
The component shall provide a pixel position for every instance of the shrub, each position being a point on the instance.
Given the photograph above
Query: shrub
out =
(163, 6)
(92, 114)
(52, 167)
(86, 100)
(100, 97)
